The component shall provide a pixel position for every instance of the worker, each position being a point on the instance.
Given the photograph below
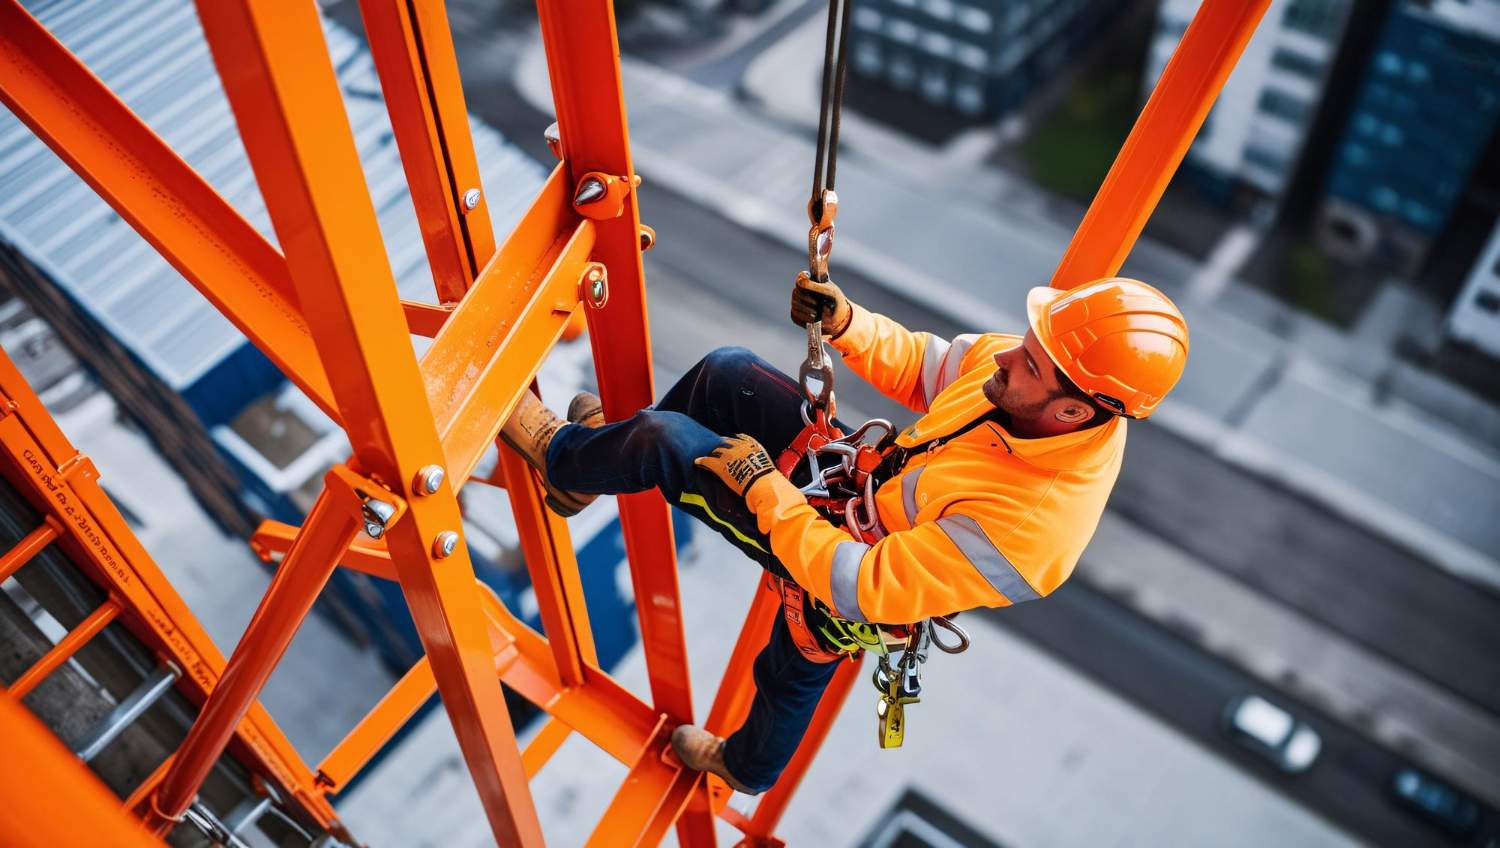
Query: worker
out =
(987, 500)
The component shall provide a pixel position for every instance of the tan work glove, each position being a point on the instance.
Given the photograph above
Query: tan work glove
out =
(739, 461)
(812, 300)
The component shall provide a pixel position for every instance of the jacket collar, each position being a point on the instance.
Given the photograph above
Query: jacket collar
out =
(963, 402)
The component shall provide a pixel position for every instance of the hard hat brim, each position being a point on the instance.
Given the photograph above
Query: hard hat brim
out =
(1038, 315)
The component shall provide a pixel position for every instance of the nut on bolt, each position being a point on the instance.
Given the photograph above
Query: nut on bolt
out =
(471, 198)
(445, 544)
(429, 479)
(648, 238)
(595, 285)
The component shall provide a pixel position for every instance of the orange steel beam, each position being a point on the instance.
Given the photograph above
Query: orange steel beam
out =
(599, 708)
(583, 63)
(768, 812)
(1160, 138)
(61, 483)
(27, 548)
(70, 807)
(582, 59)
(425, 319)
(737, 686)
(554, 573)
(654, 794)
(395, 709)
(159, 194)
(65, 648)
(543, 745)
(281, 87)
(331, 526)
(419, 78)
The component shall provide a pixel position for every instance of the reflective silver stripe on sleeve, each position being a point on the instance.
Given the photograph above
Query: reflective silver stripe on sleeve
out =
(953, 360)
(986, 558)
(845, 579)
(909, 494)
(932, 366)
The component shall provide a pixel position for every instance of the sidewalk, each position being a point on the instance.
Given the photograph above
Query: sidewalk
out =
(1276, 400)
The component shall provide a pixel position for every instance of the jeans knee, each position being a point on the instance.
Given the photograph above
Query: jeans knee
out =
(730, 359)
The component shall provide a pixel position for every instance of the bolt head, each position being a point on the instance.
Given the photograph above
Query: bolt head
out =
(471, 198)
(445, 544)
(429, 479)
(596, 289)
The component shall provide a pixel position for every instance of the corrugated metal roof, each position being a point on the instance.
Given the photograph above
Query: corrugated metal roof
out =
(153, 55)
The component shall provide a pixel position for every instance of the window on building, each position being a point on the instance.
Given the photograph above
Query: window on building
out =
(867, 57)
(1274, 101)
(904, 32)
(1296, 63)
(940, 9)
(866, 18)
(1317, 17)
(971, 56)
(969, 98)
(937, 44)
(910, 4)
(903, 71)
(1270, 160)
(935, 84)
(975, 19)
(1488, 301)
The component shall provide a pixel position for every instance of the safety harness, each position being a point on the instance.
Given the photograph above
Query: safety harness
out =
(845, 470)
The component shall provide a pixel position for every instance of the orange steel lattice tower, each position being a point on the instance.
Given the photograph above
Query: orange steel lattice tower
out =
(327, 313)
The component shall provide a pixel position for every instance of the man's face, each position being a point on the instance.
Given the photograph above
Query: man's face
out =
(1025, 381)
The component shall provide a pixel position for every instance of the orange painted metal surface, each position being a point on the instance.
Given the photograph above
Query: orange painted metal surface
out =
(327, 314)
(1165, 129)
(65, 648)
(27, 548)
(62, 484)
(419, 79)
(69, 806)
(282, 89)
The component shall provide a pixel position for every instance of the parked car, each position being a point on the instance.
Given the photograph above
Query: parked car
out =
(1272, 732)
(1436, 802)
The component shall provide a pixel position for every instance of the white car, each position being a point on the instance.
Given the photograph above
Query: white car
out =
(1272, 732)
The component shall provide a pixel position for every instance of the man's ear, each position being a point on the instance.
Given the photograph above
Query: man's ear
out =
(1075, 413)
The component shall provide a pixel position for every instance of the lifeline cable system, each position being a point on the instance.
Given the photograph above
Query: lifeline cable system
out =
(325, 313)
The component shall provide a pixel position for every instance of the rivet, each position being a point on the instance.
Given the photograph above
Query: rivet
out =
(445, 544)
(471, 198)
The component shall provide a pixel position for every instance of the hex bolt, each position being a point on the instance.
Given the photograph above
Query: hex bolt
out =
(445, 543)
(471, 198)
(429, 479)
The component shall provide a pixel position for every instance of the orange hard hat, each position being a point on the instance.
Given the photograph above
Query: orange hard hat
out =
(1121, 341)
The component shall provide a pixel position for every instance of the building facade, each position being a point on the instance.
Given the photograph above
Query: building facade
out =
(1426, 109)
(979, 58)
(1474, 319)
(1252, 140)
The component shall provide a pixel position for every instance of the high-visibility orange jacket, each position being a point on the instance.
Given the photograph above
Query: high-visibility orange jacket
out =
(983, 519)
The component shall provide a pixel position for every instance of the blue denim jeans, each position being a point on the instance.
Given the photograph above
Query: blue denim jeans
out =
(730, 391)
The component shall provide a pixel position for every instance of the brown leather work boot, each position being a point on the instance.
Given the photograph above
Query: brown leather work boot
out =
(586, 409)
(529, 431)
(700, 750)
